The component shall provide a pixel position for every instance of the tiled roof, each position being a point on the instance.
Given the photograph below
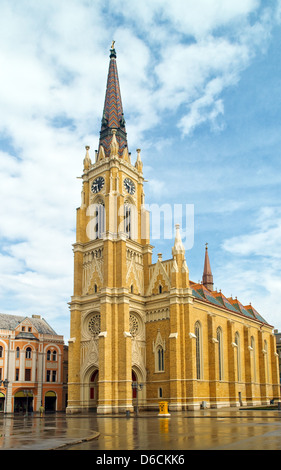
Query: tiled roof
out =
(10, 322)
(255, 313)
(218, 299)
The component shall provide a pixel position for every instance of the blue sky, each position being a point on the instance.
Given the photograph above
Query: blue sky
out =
(200, 84)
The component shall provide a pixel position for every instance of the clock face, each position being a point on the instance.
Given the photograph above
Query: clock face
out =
(97, 184)
(129, 186)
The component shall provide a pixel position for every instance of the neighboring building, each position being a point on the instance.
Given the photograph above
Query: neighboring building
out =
(142, 326)
(31, 365)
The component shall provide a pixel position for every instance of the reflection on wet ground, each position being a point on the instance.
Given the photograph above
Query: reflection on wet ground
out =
(187, 433)
(204, 430)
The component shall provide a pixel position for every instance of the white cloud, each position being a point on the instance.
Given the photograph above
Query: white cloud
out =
(252, 270)
(171, 56)
(264, 240)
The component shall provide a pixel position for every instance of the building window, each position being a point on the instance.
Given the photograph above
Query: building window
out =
(220, 352)
(127, 215)
(160, 289)
(28, 353)
(159, 348)
(54, 355)
(198, 336)
(48, 376)
(160, 392)
(266, 362)
(17, 352)
(1, 351)
(17, 375)
(54, 376)
(253, 354)
(238, 362)
(160, 359)
(27, 376)
(48, 355)
(99, 219)
(130, 220)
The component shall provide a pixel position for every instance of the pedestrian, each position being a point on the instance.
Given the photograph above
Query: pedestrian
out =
(41, 410)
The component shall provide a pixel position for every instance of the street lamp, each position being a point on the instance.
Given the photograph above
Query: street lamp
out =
(4, 383)
(138, 387)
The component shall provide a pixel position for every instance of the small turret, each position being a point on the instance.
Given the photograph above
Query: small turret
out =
(207, 279)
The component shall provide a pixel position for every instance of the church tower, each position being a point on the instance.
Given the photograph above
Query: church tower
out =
(111, 259)
(144, 332)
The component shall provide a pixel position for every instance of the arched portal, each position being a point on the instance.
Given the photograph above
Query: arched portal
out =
(134, 380)
(138, 387)
(94, 389)
(50, 402)
(23, 401)
(2, 401)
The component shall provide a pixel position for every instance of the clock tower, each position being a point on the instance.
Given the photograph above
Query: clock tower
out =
(143, 332)
(112, 255)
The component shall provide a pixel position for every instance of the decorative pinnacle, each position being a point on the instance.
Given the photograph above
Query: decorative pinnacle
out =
(87, 161)
(178, 247)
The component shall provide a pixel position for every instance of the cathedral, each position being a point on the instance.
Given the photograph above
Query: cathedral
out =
(141, 332)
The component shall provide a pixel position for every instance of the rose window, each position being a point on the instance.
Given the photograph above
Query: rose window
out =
(94, 325)
(134, 325)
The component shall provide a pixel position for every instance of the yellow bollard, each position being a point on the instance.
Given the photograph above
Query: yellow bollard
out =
(163, 409)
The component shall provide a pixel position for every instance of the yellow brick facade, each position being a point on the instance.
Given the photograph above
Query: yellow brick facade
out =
(134, 321)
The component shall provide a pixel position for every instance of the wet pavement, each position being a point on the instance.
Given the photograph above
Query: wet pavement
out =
(224, 429)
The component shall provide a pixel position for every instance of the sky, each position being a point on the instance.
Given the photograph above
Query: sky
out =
(201, 90)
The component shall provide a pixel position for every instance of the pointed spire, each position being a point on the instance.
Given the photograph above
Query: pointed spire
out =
(178, 247)
(113, 116)
(207, 279)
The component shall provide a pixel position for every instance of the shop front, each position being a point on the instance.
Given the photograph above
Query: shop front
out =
(23, 401)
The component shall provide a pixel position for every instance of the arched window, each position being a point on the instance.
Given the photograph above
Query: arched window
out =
(198, 336)
(130, 220)
(266, 361)
(253, 354)
(99, 218)
(48, 355)
(160, 289)
(54, 355)
(238, 362)
(160, 359)
(220, 352)
(28, 353)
